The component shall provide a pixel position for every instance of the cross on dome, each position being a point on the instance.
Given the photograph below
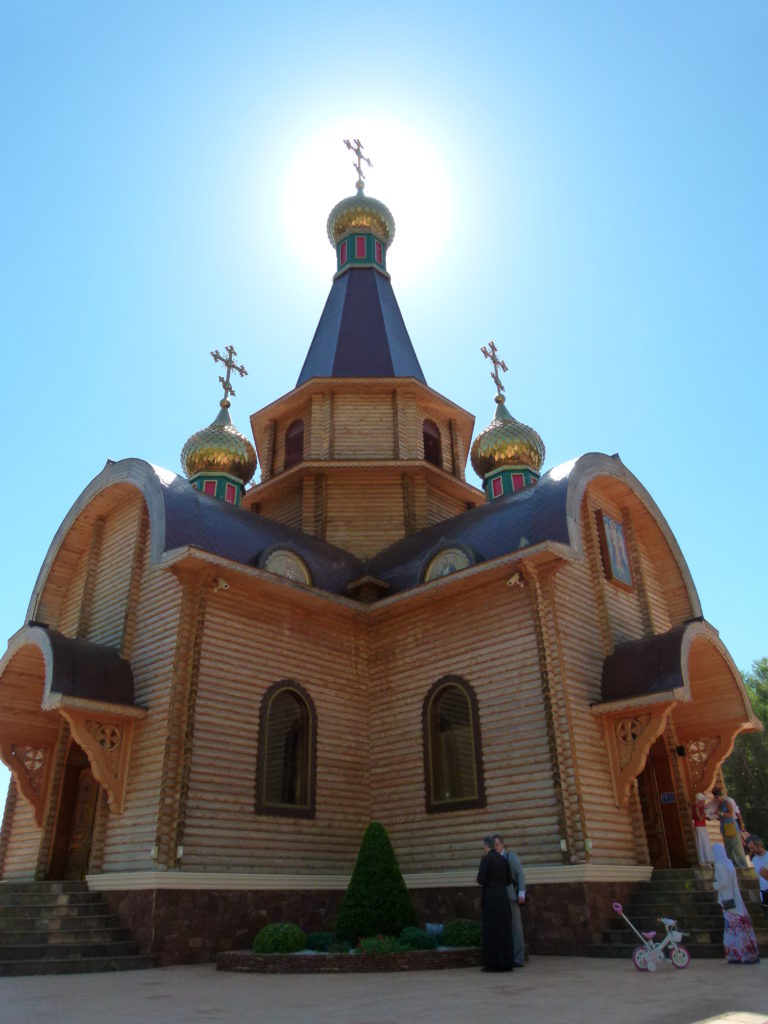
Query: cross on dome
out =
(231, 365)
(357, 149)
(498, 364)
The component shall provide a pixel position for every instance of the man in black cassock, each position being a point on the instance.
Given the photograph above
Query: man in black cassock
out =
(494, 876)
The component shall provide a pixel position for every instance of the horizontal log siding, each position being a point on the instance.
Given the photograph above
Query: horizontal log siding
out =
(130, 836)
(23, 844)
(285, 508)
(318, 445)
(618, 495)
(441, 506)
(609, 828)
(657, 602)
(69, 613)
(489, 640)
(113, 574)
(624, 609)
(323, 651)
(363, 516)
(363, 427)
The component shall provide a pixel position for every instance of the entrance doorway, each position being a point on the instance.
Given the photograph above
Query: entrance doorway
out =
(661, 814)
(74, 823)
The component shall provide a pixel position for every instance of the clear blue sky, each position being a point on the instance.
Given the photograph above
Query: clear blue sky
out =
(585, 183)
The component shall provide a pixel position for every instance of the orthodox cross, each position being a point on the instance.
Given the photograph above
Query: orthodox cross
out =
(231, 365)
(498, 364)
(357, 149)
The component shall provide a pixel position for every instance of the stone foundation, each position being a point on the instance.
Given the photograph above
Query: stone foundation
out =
(188, 926)
(343, 963)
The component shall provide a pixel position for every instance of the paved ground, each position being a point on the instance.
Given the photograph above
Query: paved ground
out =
(547, 990)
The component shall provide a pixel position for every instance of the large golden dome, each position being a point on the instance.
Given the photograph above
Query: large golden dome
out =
(219, 448)
(360, 212)
(506, 442)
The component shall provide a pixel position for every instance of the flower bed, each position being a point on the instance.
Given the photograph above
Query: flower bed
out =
(347, 963)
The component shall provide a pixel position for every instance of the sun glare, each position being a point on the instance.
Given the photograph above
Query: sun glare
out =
(408, 175)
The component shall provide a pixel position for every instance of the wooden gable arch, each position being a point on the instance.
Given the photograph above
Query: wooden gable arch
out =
(608, 475)
(686, 677)
(46, 678)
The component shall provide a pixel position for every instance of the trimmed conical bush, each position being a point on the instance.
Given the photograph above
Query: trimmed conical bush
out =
(376, 901)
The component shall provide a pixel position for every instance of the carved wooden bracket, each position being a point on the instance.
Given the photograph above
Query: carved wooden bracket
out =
(106, 739)
(629, 737)
(707, 754)
(31, 768)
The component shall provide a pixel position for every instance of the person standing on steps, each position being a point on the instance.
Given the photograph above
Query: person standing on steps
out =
(516, 894)
(494, 876)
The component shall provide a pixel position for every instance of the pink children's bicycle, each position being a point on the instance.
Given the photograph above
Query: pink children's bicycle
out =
(647, 956)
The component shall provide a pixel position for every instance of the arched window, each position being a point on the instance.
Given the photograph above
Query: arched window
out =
(433, 449)
(294, 444)
(285, 772)
(453, 765)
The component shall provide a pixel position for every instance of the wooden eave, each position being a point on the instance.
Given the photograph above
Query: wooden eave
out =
(294, 400)
(440, 479)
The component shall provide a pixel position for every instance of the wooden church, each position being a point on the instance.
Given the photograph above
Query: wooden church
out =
(217, 686)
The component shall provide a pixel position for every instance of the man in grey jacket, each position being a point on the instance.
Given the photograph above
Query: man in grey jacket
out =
(516, 894)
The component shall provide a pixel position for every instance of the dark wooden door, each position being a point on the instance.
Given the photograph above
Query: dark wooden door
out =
(661, 814)
(74, 824)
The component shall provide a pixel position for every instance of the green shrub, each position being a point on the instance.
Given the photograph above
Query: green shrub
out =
(320, 942)
(379, 944)
(377, 901)
(279, 938)
(416, 938)
(339, 946)
(462, 932)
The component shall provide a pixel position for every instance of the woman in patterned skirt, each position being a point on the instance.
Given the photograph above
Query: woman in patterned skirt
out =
(739, 939)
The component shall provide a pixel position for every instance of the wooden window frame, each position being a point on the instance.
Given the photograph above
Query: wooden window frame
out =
(434, 441)
(294, 451)
(434, 806)
(262, 806)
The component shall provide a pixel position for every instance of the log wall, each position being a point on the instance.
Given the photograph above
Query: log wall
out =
(323, 651)
(489, 641)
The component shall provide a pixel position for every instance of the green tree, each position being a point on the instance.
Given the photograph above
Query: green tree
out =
(746, 770)
(376, 901)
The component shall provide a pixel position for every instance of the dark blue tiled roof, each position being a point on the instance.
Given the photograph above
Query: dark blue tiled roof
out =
(650, 665)
(488, 531)
(361, 332)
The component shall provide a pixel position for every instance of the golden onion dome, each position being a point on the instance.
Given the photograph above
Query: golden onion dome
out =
(360, 212)
(506, 442)
(219, 448)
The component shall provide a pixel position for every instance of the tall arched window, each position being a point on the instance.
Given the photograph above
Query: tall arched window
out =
(294, 444)
(453, 765)
(433, 449)
(285, 773)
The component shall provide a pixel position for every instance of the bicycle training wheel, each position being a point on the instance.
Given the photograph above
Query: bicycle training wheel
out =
(680, 957)
(640, 958)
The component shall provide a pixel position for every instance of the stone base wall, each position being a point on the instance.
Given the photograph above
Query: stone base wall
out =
(187, 926)
(334, 963)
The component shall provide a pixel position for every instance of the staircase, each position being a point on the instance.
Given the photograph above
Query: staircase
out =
(686, 894)
(61, 928)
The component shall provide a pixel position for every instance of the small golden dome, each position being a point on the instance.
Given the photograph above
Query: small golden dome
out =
(360, 212)
(219, 448)
(506, 442)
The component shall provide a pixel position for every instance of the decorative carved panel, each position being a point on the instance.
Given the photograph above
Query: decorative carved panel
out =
(629, 737)
(30, 766)
(107, 742)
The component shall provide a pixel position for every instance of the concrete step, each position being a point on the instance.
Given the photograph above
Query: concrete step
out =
(84, 965)
(48, 899)
(68, 951)
(45, 887)
(67, 937)
(57, 921)
(62, 928)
